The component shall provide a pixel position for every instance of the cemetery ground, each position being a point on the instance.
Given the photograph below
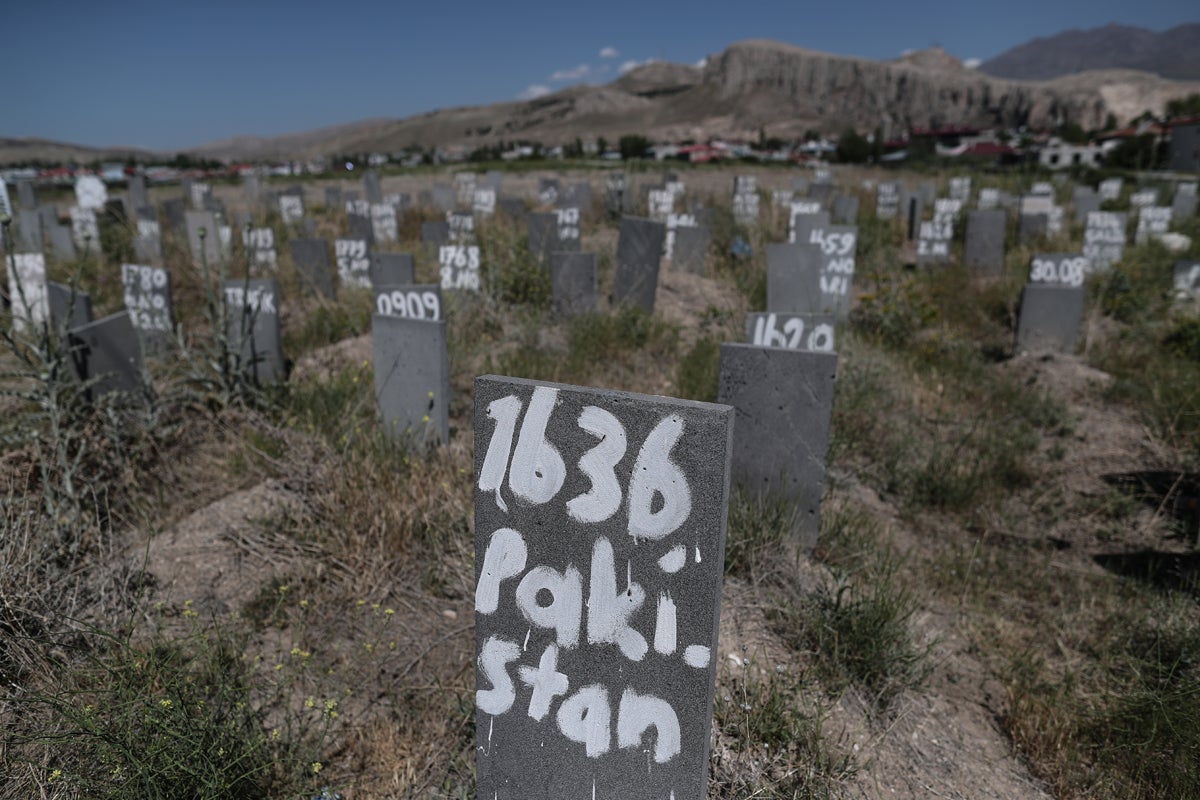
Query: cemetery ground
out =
(240, 591)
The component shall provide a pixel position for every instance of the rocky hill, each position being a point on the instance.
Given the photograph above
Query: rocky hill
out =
(1173, 54)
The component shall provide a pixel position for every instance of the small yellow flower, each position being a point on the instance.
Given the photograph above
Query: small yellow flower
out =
(310, 703)
(316, 767)
(165, 703)
(274, 733)
(55, 775)
(389, 611)
(278, 667)
(304, 603)
(361, 603)
(330, 704)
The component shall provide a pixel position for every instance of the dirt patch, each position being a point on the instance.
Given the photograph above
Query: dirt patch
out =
(324, 362)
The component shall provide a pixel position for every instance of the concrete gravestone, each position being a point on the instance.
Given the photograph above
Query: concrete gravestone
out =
(372, 188)
(198, 194)
(960, 189)
(291, 208)
(568, 230)
(206, 246)
(548, 191)
(1110, 189)
(837, 245)
(577, 195)
(311, 260)
(691, 250)
(933, 241)
(1104, 238)
(459, 267)
(176, 216)
(260, 246)
(614, 193)
(1187, 280)
(148, 301)
(984, 250)
(1143, 198)
(148, 243)
(62, 244)
(542, 235)
(887, 201)
(784, 400)
(1183, 205)
(252, 325)
(639, 253)
(660, 204)
(90, 193)
(26, 196)
(106, 353)
(68, 306)
(802, 211)
(674, 223)
(1084, 200)
(27, 290)
(412, 379)
(435, 235)
(464, 188)
(794, 278)
(461, 227)
(1153, 222)
(422, 302)
(782, 198)
(1049, 317)
(792, 331)
(1059, 269)
(353, 263)
(384, 227)
(845, 209)
(334, 197)
(484, 202)
(85, 229)
(596, 646)
(137, 192)
(988, 199)
(573, 282)
(443, 197)
(392, 269)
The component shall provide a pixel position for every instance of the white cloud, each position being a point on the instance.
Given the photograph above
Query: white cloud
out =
(633, 63)
(702, 63)
(609, 52)
(533, 92)
(972, 63)
(573, 74)
(907, 52)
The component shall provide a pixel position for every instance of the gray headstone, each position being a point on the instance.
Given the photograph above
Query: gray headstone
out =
(791, 331)
(887, 201)
(461, 227)
(1033, 227)
(934, 241)
(148, 301)
(372, 189)
(845, 209)
(1110, 188)
(27, 289)
(639, 250)
(548, 189)
(1104, 238)
(614, 619)
(361, 227)
(260, 248)
(1183, 205)
(576, 195)
(137, 192)
(29, 231)
(691, 250)
(311, 259)
(542, 235)
(821, 192)
(435, 235)
(1153, 221)
(26, 196)
(793, 277)
(69, 308)
(412, 379)
(443, 197)
(573, 282)
(1049, 318)
(333, 197)
(49, 215)
(984, 248)
(838, 245)
(253, 188)
(62, 245)
(176, 216)
(1058, 269)
(514, 207)
(803, 223)
(1085, 200)
(410, 301)
(568, 230)
(660, 203)
(85, 229)
(252, 324)
(291, 208)
(614, 193)
(784, 400)
(353, 262)
(459, 267)
(211, 241)
(107, 352)
(392, 269)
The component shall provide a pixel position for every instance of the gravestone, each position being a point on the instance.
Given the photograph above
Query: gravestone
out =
(1110, 189)
(577, 196)
(933, 241)
(412, 379)
(459, 267)
(660, 204)
(49, 215)
(392, 269)
(614, 193)
(1049, 318)
(208, 245)
(252, 325)
(573, 282)
(26, 196)
(90, 193)
(1058, 269)
(541, 235)
(1104, 238)
(361, 227)
(461, 226)
(435, 235)
(384, 228)
(372, 189)
(464, 188)
(845, 210)
(960, 189)
(334, 197)
(410, 301)
(1033, 227)
(691, 250)
(784, 400)
(353, 263)
(782, 198)
(799, 185)
(887, 201)
(310, 257)
(199, 194)
(746, 208)
(484, 203)
(148, 301)
(639, 251)
(69, 307)
(837, 245)
(176, 216)
(1187, 280)
(803, 215)
(791, 331)
(443, 197)
(514, 207)
(1143, 198)
(1183, 205)
(260, 247)
(29, 232)
(1153, 221)
(821, 192)
(27, 290)
(675, 222)
(794, 277)
(62, 244)
(988, 199)
(914, 209)
(984, 249)
(356, 207)
(613, 621)
(927, 191)
(138, 197)
(106, 353)
(1043, 189)
(1084, 200)
(291, 208)
(744, 184)
(85, 229)
(567, 229)
(252, 186)
(147, 245)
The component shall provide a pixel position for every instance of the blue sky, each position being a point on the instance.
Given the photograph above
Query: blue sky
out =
(170, 74)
